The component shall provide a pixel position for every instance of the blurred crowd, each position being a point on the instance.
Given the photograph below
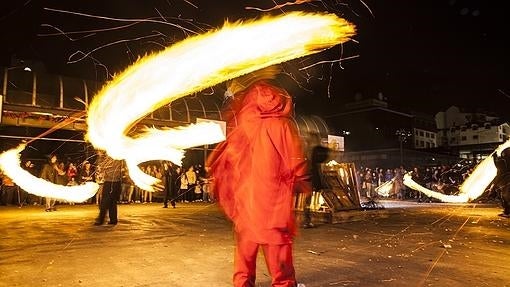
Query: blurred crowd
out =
(445, 179)
(177, 184)
(191, 184)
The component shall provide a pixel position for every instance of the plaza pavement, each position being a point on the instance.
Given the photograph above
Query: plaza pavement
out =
(404, 244)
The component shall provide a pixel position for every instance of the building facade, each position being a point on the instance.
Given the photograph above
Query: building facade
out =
(470, 135)
(377, 135)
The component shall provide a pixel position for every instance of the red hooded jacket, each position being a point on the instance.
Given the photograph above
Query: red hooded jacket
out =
(260, 165)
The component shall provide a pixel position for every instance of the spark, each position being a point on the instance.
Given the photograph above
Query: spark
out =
(86, 54)
(280, 6)
(96, 63)
(330, 79)
(368, 8)
(15, 10)
(443, 252)
(109, 29)
(293, 77)
(190, 66)
(80, 55)
(503, 93)
(149, 20)
(41, 138)
(89, 32)
(190, 3)
(341, 56)
(327, 62)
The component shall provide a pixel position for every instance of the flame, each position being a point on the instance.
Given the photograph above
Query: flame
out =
(190, 66)
(167, 144)
(482, 175)
(10, 164)
(385, 188)
(472, 187)
(409, 182)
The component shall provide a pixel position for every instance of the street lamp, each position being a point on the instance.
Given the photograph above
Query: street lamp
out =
(6, 81)
(402, 135)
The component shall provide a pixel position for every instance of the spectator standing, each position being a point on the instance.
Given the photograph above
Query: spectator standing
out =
(128, 187)
(30, 198)
(9, 191)
(86, 173)
(502, 181)
(170, 179)
(111, 188)
(368, 183)
(72, 172)
(183, 186)
(398, 184)
(319, 155)
(49, 173)
(99, 179)
(191, 177)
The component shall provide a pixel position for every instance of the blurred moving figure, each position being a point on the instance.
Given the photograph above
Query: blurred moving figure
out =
(112, 170)
(255, 171)
(502, 179)
(318, 155)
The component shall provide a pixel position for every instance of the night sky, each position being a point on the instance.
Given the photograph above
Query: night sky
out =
(421, 55)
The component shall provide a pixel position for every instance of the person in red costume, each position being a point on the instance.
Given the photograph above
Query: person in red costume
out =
(255, 172)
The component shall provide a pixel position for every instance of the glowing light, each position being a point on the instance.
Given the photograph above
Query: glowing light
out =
(482, 175)
(409, 182)
(167, 144)
(385, 188)
(10, 164)
(472, 188)
(332, 163)
(193, 65)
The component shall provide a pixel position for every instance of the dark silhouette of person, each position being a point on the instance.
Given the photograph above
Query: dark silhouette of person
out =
(50, 172)
(112, 187)
(319, 154)
(170, 177)
(502, 180)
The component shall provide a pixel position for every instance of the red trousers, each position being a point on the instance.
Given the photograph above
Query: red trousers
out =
(278, 261)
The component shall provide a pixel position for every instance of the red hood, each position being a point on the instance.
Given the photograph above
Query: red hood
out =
(262, 100)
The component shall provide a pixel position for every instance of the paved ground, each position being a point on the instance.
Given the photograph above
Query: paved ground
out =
(192, 245)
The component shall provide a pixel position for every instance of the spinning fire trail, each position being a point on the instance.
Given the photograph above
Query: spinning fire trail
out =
(471, 189)
(188, 67)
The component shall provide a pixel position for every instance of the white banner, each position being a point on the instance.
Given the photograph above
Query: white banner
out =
(336, 143)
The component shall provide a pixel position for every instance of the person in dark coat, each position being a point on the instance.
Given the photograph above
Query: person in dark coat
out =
(50, 173)
(502, 179)
(170, 175)
(319, 155)
(112, 187)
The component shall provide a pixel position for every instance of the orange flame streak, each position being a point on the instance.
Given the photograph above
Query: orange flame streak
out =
(193, 65)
